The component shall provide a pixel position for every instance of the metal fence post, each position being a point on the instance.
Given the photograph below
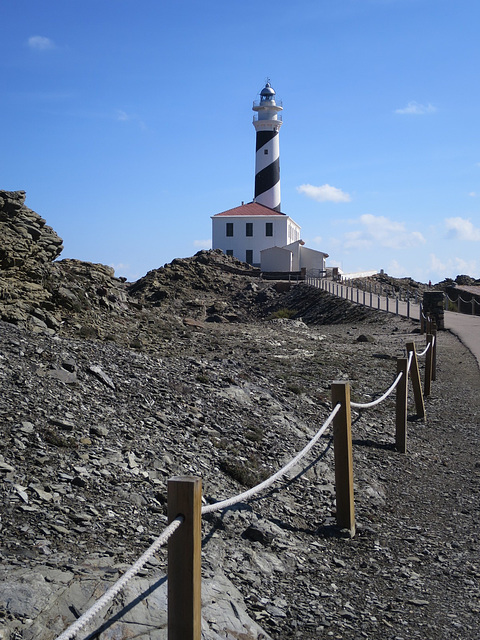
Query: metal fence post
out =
(342, 439)
(184, 559)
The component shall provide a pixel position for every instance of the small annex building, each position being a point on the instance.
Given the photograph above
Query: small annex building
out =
(294, 257)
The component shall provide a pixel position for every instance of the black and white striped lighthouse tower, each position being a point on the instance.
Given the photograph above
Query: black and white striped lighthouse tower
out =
(267, 122)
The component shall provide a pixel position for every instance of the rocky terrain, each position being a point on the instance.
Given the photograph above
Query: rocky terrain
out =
(407, 287)
(201, 368)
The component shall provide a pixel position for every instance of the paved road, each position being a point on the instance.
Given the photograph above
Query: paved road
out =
(465, 327)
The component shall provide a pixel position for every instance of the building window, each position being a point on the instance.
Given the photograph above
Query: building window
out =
(269, 228)
(249, 256)
(229, 229)
(265, 152)
(249, 229)
(229, 252)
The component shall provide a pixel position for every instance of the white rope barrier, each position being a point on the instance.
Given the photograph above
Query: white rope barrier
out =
(109, 595)
(419, 355)
(409, 363)
(264, 485)
(367, 405)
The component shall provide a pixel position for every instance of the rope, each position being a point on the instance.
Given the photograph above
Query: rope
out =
(419, 355)
(266, 483)
(409, 363)
(367, 405)
(109, 595)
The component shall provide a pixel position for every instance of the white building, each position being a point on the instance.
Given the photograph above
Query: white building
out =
(245, 231)
(264, 238)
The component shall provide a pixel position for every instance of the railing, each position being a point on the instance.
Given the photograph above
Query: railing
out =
(461, 305)
(183, 533)
(374, 297)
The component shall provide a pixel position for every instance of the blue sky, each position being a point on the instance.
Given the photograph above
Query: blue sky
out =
(129, 123)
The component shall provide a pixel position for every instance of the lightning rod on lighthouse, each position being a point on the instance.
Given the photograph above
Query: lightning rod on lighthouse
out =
(267, 122)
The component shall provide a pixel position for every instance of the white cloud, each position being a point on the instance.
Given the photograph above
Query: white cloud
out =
(462, 229)
(416, 109)
(396, 270)
(325, 193)
(472, 194)
(122, 116)
(40, 43)
(124, 270)
(317, 240)
(453, 266)
(379, 231)
(202, 244)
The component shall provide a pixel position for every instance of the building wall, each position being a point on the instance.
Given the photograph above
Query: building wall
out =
(283, 228)
(276, 259)
(311, 259)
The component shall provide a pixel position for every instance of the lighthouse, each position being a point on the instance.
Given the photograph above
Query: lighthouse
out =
(267, 122)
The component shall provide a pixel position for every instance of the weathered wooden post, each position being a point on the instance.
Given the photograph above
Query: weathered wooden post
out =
(434, 356)
(417, 386)
(342, 442)
(428, 366)
(401, 406)
(184, 559)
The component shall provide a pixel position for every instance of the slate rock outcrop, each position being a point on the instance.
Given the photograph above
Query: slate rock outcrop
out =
(27, 241)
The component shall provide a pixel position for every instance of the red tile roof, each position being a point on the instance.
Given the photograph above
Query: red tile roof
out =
(250, 209)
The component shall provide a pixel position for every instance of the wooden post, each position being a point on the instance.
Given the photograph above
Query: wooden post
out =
(184, 559)
(342, 442)
(434, 361)
(417, 386)
(428, 366)
(401, 406)
(428, 328)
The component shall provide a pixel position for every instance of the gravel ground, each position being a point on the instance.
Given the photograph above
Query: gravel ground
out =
(91, 431)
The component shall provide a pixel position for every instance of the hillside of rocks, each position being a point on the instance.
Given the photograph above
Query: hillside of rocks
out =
(200, 368)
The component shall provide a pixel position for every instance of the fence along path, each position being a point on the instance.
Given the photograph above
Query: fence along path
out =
(185, 511)
(409, 308)
(465, 327)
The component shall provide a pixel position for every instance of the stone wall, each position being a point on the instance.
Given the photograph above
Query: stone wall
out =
(433, 306)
